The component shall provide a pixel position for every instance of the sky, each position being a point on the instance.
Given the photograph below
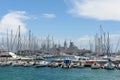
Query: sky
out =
(77, 20)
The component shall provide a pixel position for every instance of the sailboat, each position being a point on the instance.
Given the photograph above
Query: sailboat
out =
(95, 65)
(109, 65)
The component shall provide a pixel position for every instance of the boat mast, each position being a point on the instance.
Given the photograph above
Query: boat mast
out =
(104, 44)
(11, 40)
(108, 46)
(29, 42)
(96, 45)
(101, 39)
(7, 41)
(19, 41)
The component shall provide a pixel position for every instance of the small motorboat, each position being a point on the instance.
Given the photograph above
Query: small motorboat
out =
(41, 64)
(53, 64)
(95, 66)
(28, 63)
(78, 64)
(66, 64)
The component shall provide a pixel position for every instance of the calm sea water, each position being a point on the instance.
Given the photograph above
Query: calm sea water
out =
(46, 73)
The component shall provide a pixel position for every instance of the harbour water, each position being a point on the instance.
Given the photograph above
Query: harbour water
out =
(47, 73)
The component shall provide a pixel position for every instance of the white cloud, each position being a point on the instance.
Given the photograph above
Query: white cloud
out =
(97, 9)
(12, 20)
(48, 15)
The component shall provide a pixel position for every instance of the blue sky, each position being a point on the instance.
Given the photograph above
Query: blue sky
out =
(66, 19)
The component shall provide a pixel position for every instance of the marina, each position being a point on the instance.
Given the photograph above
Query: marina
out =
(72, 40)
(50, 61)
(66, 61)
(17, 53)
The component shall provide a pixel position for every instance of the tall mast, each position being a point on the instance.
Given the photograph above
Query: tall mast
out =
(48, 43)
(108, 45)
(29, 42)
(101, 40)
(7, 41)
(96, 44)
(19, 39)
(52, 42)
(104, 43)
(11, 39)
